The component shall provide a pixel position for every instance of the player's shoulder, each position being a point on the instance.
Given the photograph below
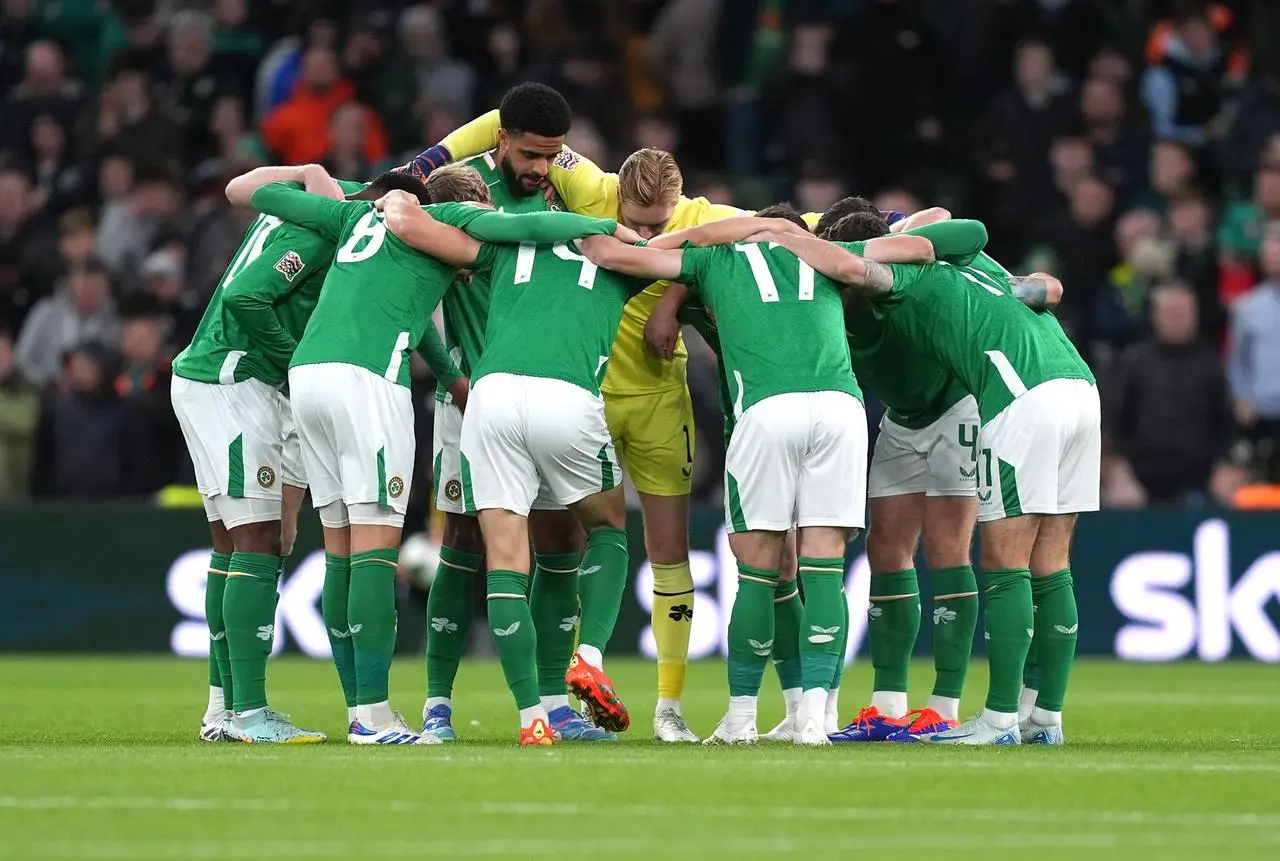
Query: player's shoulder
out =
(485, 163)
(692, 211)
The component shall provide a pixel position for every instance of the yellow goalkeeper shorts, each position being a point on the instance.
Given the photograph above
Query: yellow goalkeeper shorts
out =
(653, 435)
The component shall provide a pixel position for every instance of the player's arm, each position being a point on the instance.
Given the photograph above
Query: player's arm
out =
(1038, 291)
(743, 228)
(479, 135)
(866, 276)
(442, 365)
(583, 186)
(538, 227)
(662, 329)
(318, 214)
(414, 226)
(312, 177)
(956, 241)
(251, 295)
(932, 215)
(656, 264)
(896, 249)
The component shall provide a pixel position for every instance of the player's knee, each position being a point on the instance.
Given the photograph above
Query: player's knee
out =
(888, 550)
(555, 532)
(949, 551)
(258, 537)
(1049, 560)
(221, 537)
(462, 533)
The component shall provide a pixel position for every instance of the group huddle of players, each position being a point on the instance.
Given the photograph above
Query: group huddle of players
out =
(563, 289)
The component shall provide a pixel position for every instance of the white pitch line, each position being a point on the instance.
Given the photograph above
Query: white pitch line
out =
(624, 845)
(1136, 818)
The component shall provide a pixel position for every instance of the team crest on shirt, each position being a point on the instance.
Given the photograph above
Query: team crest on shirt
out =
(453, 490)
(567, 160)
(266, 477)
(290, 265)
(395, 487)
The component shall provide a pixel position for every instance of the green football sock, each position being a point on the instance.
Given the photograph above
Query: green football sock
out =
(751, 631)
(843, 649)
(333, 607)
(601, 582)
(371, 612)
(1056, 623)
(449, 618)
(219, 659)
(553, 604)
(249, 609)
(513, 635)
(955, 618)
(1010, 625)
(823, 621)
(894, 623)
(787, 612)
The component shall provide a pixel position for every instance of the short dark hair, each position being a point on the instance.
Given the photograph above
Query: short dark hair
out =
(457, 183)
(783, 210)
(858, 227)
(838, 210)
(393, 181)
(535, 109)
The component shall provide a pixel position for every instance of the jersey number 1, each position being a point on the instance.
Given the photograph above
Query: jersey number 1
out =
(764, 278)
(253, 245)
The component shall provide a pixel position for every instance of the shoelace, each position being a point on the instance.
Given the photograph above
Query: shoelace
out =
(676, 719)
(923, 718)
(865, 716)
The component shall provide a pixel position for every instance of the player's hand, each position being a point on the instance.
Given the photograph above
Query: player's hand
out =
(626, 234)
(316, 180)
(661, 333)
(459, 389)
(398, 197)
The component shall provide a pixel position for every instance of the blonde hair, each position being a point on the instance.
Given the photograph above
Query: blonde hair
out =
(650, 177)
(457, 182)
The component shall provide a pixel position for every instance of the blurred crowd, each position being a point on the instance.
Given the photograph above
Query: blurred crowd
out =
(1130, 146)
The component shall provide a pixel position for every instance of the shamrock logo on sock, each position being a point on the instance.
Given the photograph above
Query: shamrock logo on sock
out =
(508, 631)
(943, 615)
(680, 613)
(266, 632)
(440, 624)
(761, 649)
(567, 623)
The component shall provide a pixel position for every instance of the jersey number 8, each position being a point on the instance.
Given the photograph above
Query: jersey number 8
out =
(366, 238)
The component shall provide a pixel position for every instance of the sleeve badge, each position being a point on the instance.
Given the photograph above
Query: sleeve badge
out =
(290, 265)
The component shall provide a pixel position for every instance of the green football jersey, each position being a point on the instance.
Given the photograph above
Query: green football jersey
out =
(968, 319)
(694, 313)
(379, 294)
(781, 324)
(466, 312)
(261, 306)
(552, 313)
(915, 388)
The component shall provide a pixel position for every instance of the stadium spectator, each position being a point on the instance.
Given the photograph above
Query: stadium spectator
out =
(130, 224)
(19, 27)
(1083, 243)
(59, 180)
(422, 67)
(1196, 260)
(45, 89)
(25, 244)
(86, 450)
(1244, 221)
(347, 156)
(1122, 303)
(128, 119)
(504, 66)
(298, 130)
(1253, 359)
(1015, 136)
(1168, 411)
(164, 282)
(799, 100)
(143, 382)
(194, 79)
(80, 312)
(19, 419)
(681, 54)
(1120, 153)
(1184, 88)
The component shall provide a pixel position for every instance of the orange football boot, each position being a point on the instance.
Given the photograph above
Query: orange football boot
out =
(593, 687)
(537, 733)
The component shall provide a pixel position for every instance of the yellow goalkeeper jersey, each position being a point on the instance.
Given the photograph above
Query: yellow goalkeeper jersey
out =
(588, 190)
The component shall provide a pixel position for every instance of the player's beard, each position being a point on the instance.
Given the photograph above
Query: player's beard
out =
(514, 182)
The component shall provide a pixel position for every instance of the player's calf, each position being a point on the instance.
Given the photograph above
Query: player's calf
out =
(449, 619)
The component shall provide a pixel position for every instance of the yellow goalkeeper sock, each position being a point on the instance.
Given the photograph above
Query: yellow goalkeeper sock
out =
(672, 620)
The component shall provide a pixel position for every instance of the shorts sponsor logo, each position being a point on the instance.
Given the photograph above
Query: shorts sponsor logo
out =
(567, 160)
(395, 487)
(290, 265)
(266, 477)
(453, 490)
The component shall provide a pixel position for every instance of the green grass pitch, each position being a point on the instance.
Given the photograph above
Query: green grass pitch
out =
(98, 760)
